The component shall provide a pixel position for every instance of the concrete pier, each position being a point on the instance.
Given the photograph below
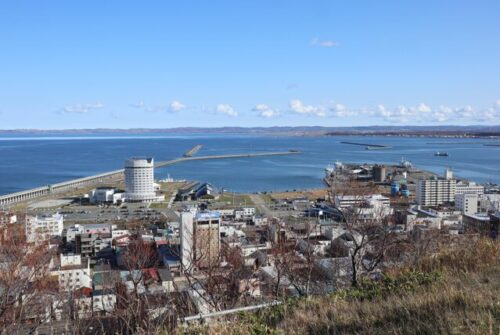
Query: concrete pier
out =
(193, 151)
(14, 198)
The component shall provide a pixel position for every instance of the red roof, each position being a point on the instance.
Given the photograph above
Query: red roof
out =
(151, 273)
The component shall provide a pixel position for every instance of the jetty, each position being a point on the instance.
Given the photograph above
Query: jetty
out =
(367, 145)
(193, 151)
(13, 198)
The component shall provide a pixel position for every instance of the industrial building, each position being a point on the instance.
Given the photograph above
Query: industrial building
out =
(379, 173)
(197, 190)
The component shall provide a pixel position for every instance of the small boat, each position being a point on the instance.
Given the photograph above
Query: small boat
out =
(441, 154)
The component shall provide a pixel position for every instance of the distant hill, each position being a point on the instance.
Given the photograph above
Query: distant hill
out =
(467, 131)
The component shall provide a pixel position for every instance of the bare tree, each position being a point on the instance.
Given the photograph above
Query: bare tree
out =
(368, 233)
(133, 306)
(26, 290)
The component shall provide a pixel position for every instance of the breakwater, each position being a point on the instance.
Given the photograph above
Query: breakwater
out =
(13, 198)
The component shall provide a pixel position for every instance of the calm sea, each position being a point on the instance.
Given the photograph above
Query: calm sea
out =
(31, 162)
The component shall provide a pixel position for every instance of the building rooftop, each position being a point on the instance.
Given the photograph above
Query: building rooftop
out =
(207, 215)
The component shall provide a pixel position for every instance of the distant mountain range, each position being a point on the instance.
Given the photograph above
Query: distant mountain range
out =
(441, 131)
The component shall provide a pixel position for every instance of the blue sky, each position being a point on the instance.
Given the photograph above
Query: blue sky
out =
(160, 64)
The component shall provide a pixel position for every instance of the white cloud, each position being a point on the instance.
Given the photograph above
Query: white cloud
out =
(82, 108)
(383, 111)
(298, 107)
(400, 113)
(146, 108)
(323, 43)
(442, 114)
(226, 109)
(140, 104)
(176, 106)
(466, 112)
(423, 108)
(340, 110)
(489, 115)
(423, 113)
(155, 109)
(265, 111)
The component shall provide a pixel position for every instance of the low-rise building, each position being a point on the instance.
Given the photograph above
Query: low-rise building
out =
(466, 203)
(479, 223)
(74, 274)
(366, 207)
(90, 245)
(105, 195)
(347, 201)
(469, 188)
(489, 202)
(99, 229)
(115, 233)
(43, 227)
(244, 213)
(97, 302)
(317, 245)
(336, 268)
(260, 220)
(7, 218)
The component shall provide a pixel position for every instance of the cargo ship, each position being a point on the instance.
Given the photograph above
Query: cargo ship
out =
(441, 154)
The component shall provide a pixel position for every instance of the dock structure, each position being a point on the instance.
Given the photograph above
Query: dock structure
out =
(200, 158)
(193, 151)
(367, 145)
(14, 198)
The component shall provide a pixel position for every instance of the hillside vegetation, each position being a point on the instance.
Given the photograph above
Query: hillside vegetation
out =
(455, 291)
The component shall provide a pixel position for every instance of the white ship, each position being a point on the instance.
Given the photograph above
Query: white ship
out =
(329, 170)
(405, 163)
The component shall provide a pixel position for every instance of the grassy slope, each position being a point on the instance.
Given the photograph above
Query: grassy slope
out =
(454, 292)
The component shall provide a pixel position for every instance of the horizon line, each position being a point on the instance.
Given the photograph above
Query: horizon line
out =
(246, 128)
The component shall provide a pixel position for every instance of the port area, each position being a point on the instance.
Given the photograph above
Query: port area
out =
(76, 210)
(11, 200)
(382, 176)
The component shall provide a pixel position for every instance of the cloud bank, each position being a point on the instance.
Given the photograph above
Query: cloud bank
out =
(82, 108)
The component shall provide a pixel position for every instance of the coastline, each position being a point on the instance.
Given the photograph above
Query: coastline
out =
(484, 132)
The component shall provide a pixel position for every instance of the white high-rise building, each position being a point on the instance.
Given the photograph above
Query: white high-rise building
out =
(139, 180)
(434, 192)
(466, 203)
(39, 228)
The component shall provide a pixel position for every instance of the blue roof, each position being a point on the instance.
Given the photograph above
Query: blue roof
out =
(207, 215)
